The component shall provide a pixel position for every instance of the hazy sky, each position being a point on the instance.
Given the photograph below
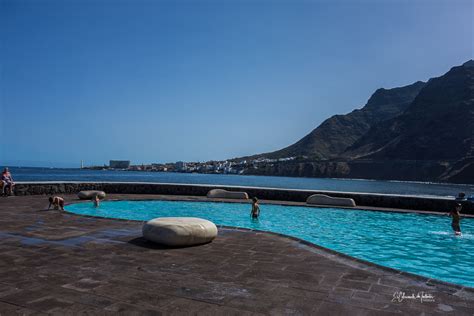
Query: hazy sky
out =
(157, 81)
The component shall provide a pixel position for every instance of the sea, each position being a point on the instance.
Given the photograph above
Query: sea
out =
(27, 174)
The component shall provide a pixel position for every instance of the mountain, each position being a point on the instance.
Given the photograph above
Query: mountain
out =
(339, 132)
(423, 132)
(438, 125)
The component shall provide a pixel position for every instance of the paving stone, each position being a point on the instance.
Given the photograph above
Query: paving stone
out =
(7, 309)
(224, 310)
(6, 290)
(123, 309)
(78, 309)
(49, 303)
(336, 309)
(348, 284)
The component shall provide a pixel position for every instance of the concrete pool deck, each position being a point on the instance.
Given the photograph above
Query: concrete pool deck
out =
(61, 263)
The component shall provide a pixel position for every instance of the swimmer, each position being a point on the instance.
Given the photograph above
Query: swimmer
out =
(255, 208)
(96, 201)
(456, 215)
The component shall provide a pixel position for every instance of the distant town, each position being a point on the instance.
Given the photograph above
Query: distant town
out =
(219, 167)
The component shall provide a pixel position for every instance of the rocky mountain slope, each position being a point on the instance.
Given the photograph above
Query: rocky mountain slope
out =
(337, 133)
(438, 125)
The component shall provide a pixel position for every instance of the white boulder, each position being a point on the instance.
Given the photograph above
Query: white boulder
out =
(179, 231)
(321, 199)
(224, 194)
(88, 195)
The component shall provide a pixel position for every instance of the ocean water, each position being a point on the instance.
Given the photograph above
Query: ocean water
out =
(349, 185)
(416, 243)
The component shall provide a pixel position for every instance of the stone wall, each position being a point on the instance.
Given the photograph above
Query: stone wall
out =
(362, 199)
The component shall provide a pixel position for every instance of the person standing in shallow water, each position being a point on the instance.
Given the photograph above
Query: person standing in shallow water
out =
(96, 201)
(456, 215)
(255, 213)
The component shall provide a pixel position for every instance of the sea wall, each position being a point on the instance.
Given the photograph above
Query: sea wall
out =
(361, 199)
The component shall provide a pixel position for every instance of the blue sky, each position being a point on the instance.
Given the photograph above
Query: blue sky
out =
(157, 81)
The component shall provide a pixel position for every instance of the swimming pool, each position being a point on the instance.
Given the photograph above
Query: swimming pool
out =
(416, 243)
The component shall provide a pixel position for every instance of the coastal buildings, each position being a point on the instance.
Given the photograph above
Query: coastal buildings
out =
(214, 166)
(181, 166)
(119, 164)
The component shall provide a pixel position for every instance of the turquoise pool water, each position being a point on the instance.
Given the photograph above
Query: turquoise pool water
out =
(416, 243)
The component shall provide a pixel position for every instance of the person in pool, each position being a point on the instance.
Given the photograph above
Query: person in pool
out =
(96, 200)
(255, 208)
(456, 215)
(57, 202)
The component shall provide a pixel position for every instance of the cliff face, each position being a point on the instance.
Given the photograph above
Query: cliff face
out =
(438, 125)
(418, 132)
(339, 132)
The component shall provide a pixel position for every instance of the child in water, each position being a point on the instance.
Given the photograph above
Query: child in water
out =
(96, 201)
(57, 202)
(456, 215)
(255, 209)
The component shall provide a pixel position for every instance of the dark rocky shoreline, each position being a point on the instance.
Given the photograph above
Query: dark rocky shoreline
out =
(459, 172)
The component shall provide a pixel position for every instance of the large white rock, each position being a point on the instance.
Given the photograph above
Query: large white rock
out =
(179, 231)
(321, 199)
(224, 194)
(88, 195)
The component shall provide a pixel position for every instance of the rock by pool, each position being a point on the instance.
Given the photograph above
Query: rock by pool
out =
(179, 231)
(88, 195)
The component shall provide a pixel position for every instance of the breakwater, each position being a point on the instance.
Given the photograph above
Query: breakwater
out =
(362, 199)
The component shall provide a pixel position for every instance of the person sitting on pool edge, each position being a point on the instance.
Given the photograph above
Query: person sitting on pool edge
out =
(57, 202)
(255, 208)
(96, 200)
(7, 181)
(456, 215)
